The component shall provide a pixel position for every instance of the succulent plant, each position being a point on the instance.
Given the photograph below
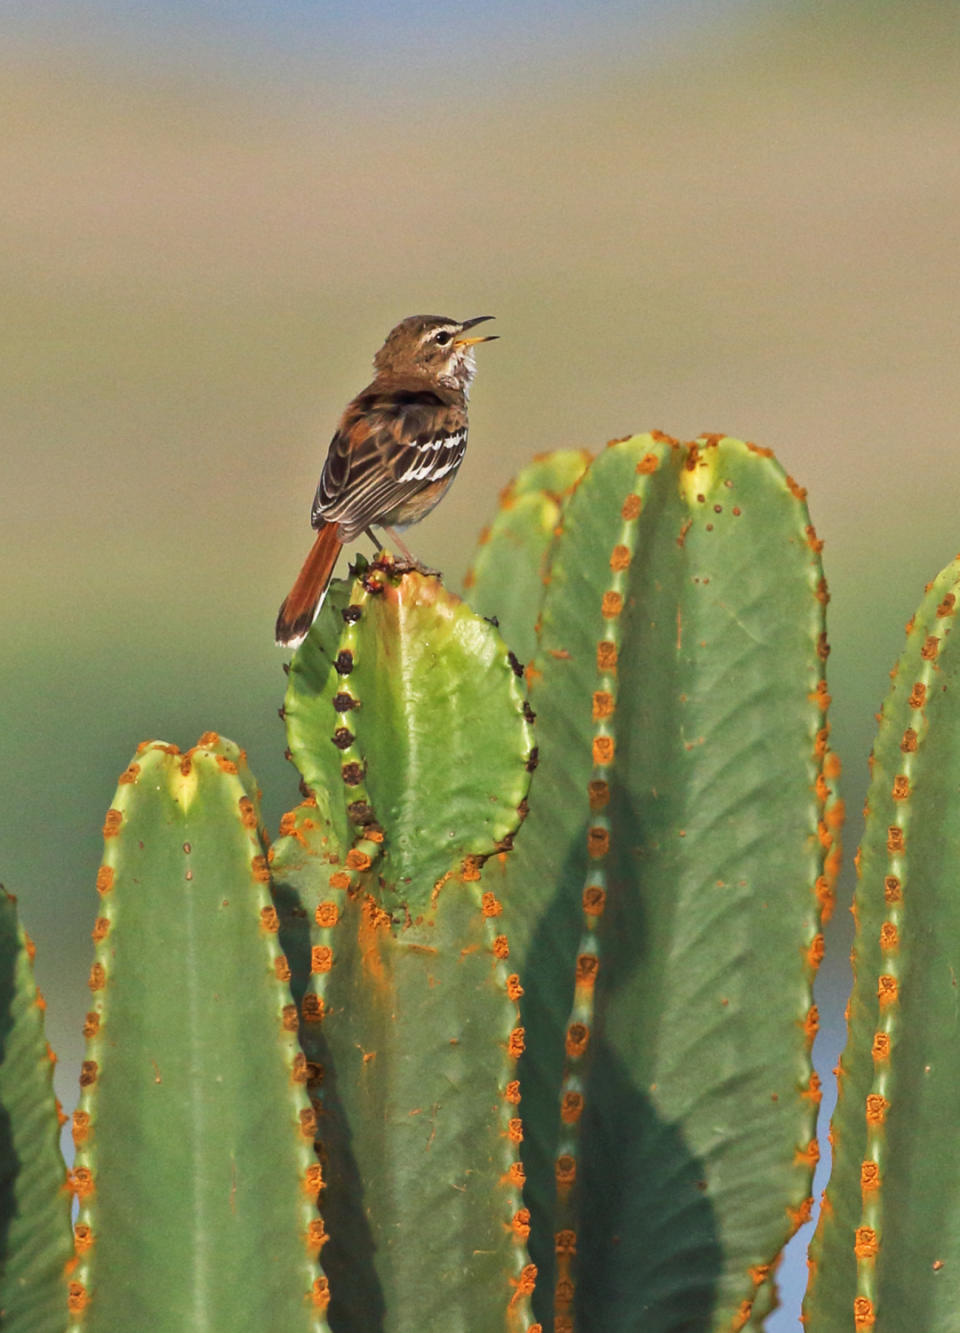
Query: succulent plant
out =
(195, 1171)
(886, 1251)
(509, 1029)
(673, 874)
(406, 716)
(35, 1237)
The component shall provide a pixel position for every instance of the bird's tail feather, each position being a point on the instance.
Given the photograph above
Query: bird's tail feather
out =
(305, 598)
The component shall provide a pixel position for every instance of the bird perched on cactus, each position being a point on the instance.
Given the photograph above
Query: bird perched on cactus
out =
(395, 452)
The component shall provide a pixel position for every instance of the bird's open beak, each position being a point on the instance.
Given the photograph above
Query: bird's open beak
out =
(469, 324)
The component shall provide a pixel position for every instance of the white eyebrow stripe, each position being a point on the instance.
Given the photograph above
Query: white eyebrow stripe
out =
(438, 328)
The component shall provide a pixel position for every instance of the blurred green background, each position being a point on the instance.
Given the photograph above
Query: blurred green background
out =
(694, 216)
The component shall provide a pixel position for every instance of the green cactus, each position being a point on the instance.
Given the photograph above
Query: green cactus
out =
(406, 666)
(35, 1236)
(669, 937)
(405, 711)
(886, 1253)
(539, 1050)
(195, 1170)
(509, 574)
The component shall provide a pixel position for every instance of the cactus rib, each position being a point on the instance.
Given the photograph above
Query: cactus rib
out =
(683, 623)
(191, 1056)
(884, 1254)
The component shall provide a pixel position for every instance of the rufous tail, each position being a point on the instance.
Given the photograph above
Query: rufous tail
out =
(305, 598)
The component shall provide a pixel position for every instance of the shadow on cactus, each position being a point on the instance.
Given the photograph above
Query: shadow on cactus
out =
(510, 1027)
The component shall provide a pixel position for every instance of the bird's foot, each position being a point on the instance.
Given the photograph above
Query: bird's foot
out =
(417, 566)
(405, 564)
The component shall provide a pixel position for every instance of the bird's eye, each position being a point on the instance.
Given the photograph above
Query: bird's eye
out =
(443, 337)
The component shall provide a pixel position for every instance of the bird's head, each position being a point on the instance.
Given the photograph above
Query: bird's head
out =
(434, 346)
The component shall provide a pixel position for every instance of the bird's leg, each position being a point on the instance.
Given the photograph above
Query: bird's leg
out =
(401, 546)
(408, 557)
(377, 543)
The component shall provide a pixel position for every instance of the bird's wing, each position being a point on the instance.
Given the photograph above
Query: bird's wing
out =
(392, 442)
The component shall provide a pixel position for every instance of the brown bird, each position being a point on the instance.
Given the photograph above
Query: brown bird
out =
(395, 452)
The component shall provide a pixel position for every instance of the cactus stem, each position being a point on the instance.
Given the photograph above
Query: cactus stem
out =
(187, 779)
(580, 1021)
(868, 1238)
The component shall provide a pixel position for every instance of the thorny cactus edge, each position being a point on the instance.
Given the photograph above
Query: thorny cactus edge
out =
(670, 937)
(621, 980)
